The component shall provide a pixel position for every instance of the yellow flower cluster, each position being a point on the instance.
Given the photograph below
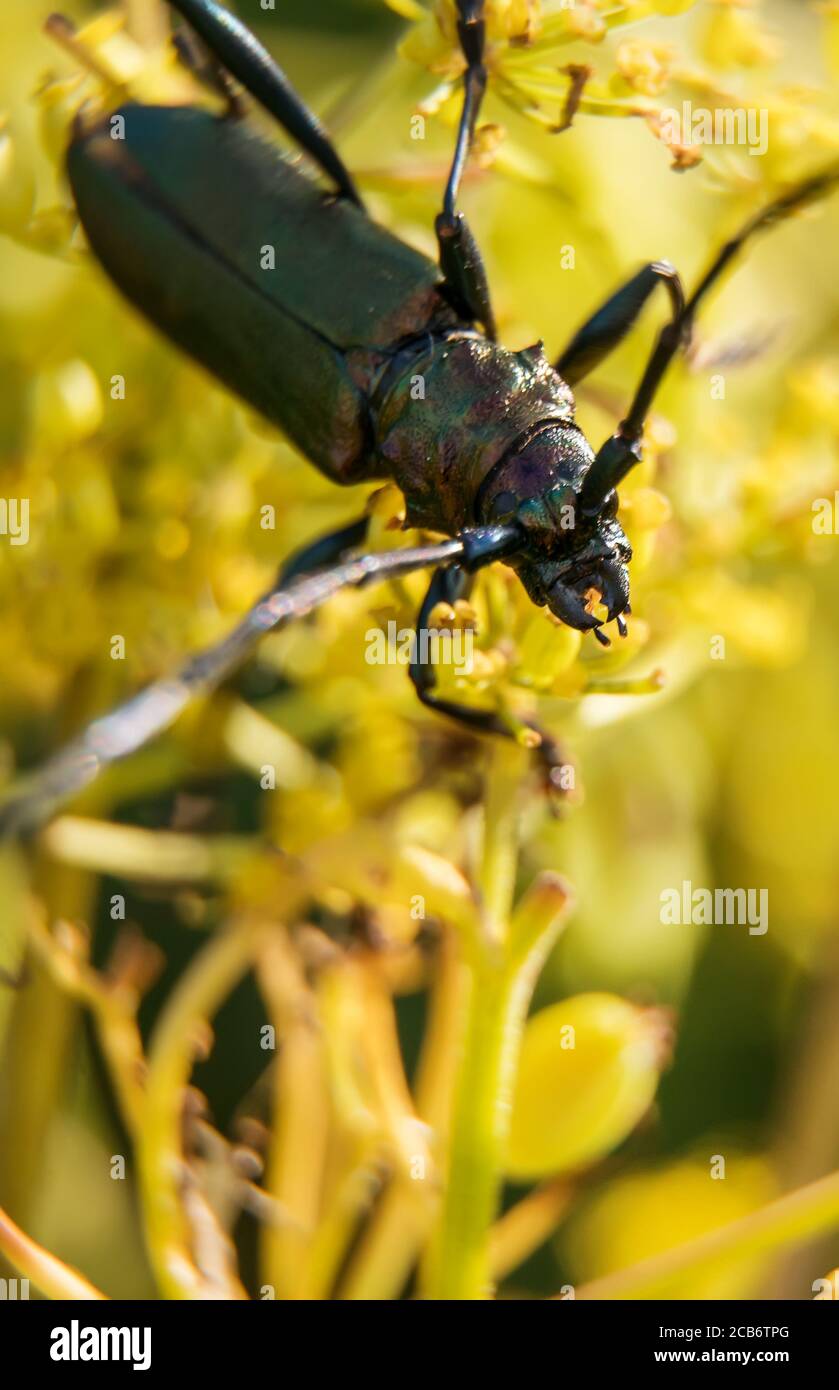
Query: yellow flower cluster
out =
(319, 825)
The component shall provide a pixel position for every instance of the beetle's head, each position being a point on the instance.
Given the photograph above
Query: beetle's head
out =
(574, 552)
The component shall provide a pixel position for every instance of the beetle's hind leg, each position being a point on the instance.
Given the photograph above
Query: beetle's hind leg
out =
(448, 584)
(460, 260)
(242, 55)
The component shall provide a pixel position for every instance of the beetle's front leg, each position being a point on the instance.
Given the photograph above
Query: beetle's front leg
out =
(460, 259)
(622, 450)
(609, 325)
(598, 336)
(448, 584)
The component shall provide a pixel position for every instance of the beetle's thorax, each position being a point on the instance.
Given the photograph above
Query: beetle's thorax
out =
(456, 412)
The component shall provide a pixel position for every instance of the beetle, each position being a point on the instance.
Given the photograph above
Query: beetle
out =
(178, 211)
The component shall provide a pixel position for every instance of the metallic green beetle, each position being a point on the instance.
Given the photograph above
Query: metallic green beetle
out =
(324, 322)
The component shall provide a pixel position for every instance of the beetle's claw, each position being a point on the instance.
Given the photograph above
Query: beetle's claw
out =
(557, 773)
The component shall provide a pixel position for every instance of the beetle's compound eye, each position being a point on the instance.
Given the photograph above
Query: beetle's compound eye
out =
(549, 518)
(534, 484)
(562, 504)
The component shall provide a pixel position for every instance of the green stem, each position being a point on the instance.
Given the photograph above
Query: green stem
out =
(501, 839)
(54, 1278)
(39, 1042)
(501, 963)
(459, 1263)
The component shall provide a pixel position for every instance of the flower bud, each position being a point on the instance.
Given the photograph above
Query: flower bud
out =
(588, 1071)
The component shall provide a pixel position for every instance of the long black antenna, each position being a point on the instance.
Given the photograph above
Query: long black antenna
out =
(621, 452)
(137, 720)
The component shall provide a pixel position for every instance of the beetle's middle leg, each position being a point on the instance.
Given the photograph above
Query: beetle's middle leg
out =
(321, 553)
(326, 550)
(448, 584)
(460, 259)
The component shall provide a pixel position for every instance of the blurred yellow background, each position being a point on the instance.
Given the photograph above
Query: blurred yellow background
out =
(144, 523)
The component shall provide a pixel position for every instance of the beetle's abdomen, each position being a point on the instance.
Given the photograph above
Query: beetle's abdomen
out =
(246, 264)
(454, 414)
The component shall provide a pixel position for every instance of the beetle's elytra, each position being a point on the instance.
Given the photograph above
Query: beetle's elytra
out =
(488, 452)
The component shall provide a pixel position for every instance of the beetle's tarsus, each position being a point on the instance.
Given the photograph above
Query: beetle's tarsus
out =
(554, 764)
